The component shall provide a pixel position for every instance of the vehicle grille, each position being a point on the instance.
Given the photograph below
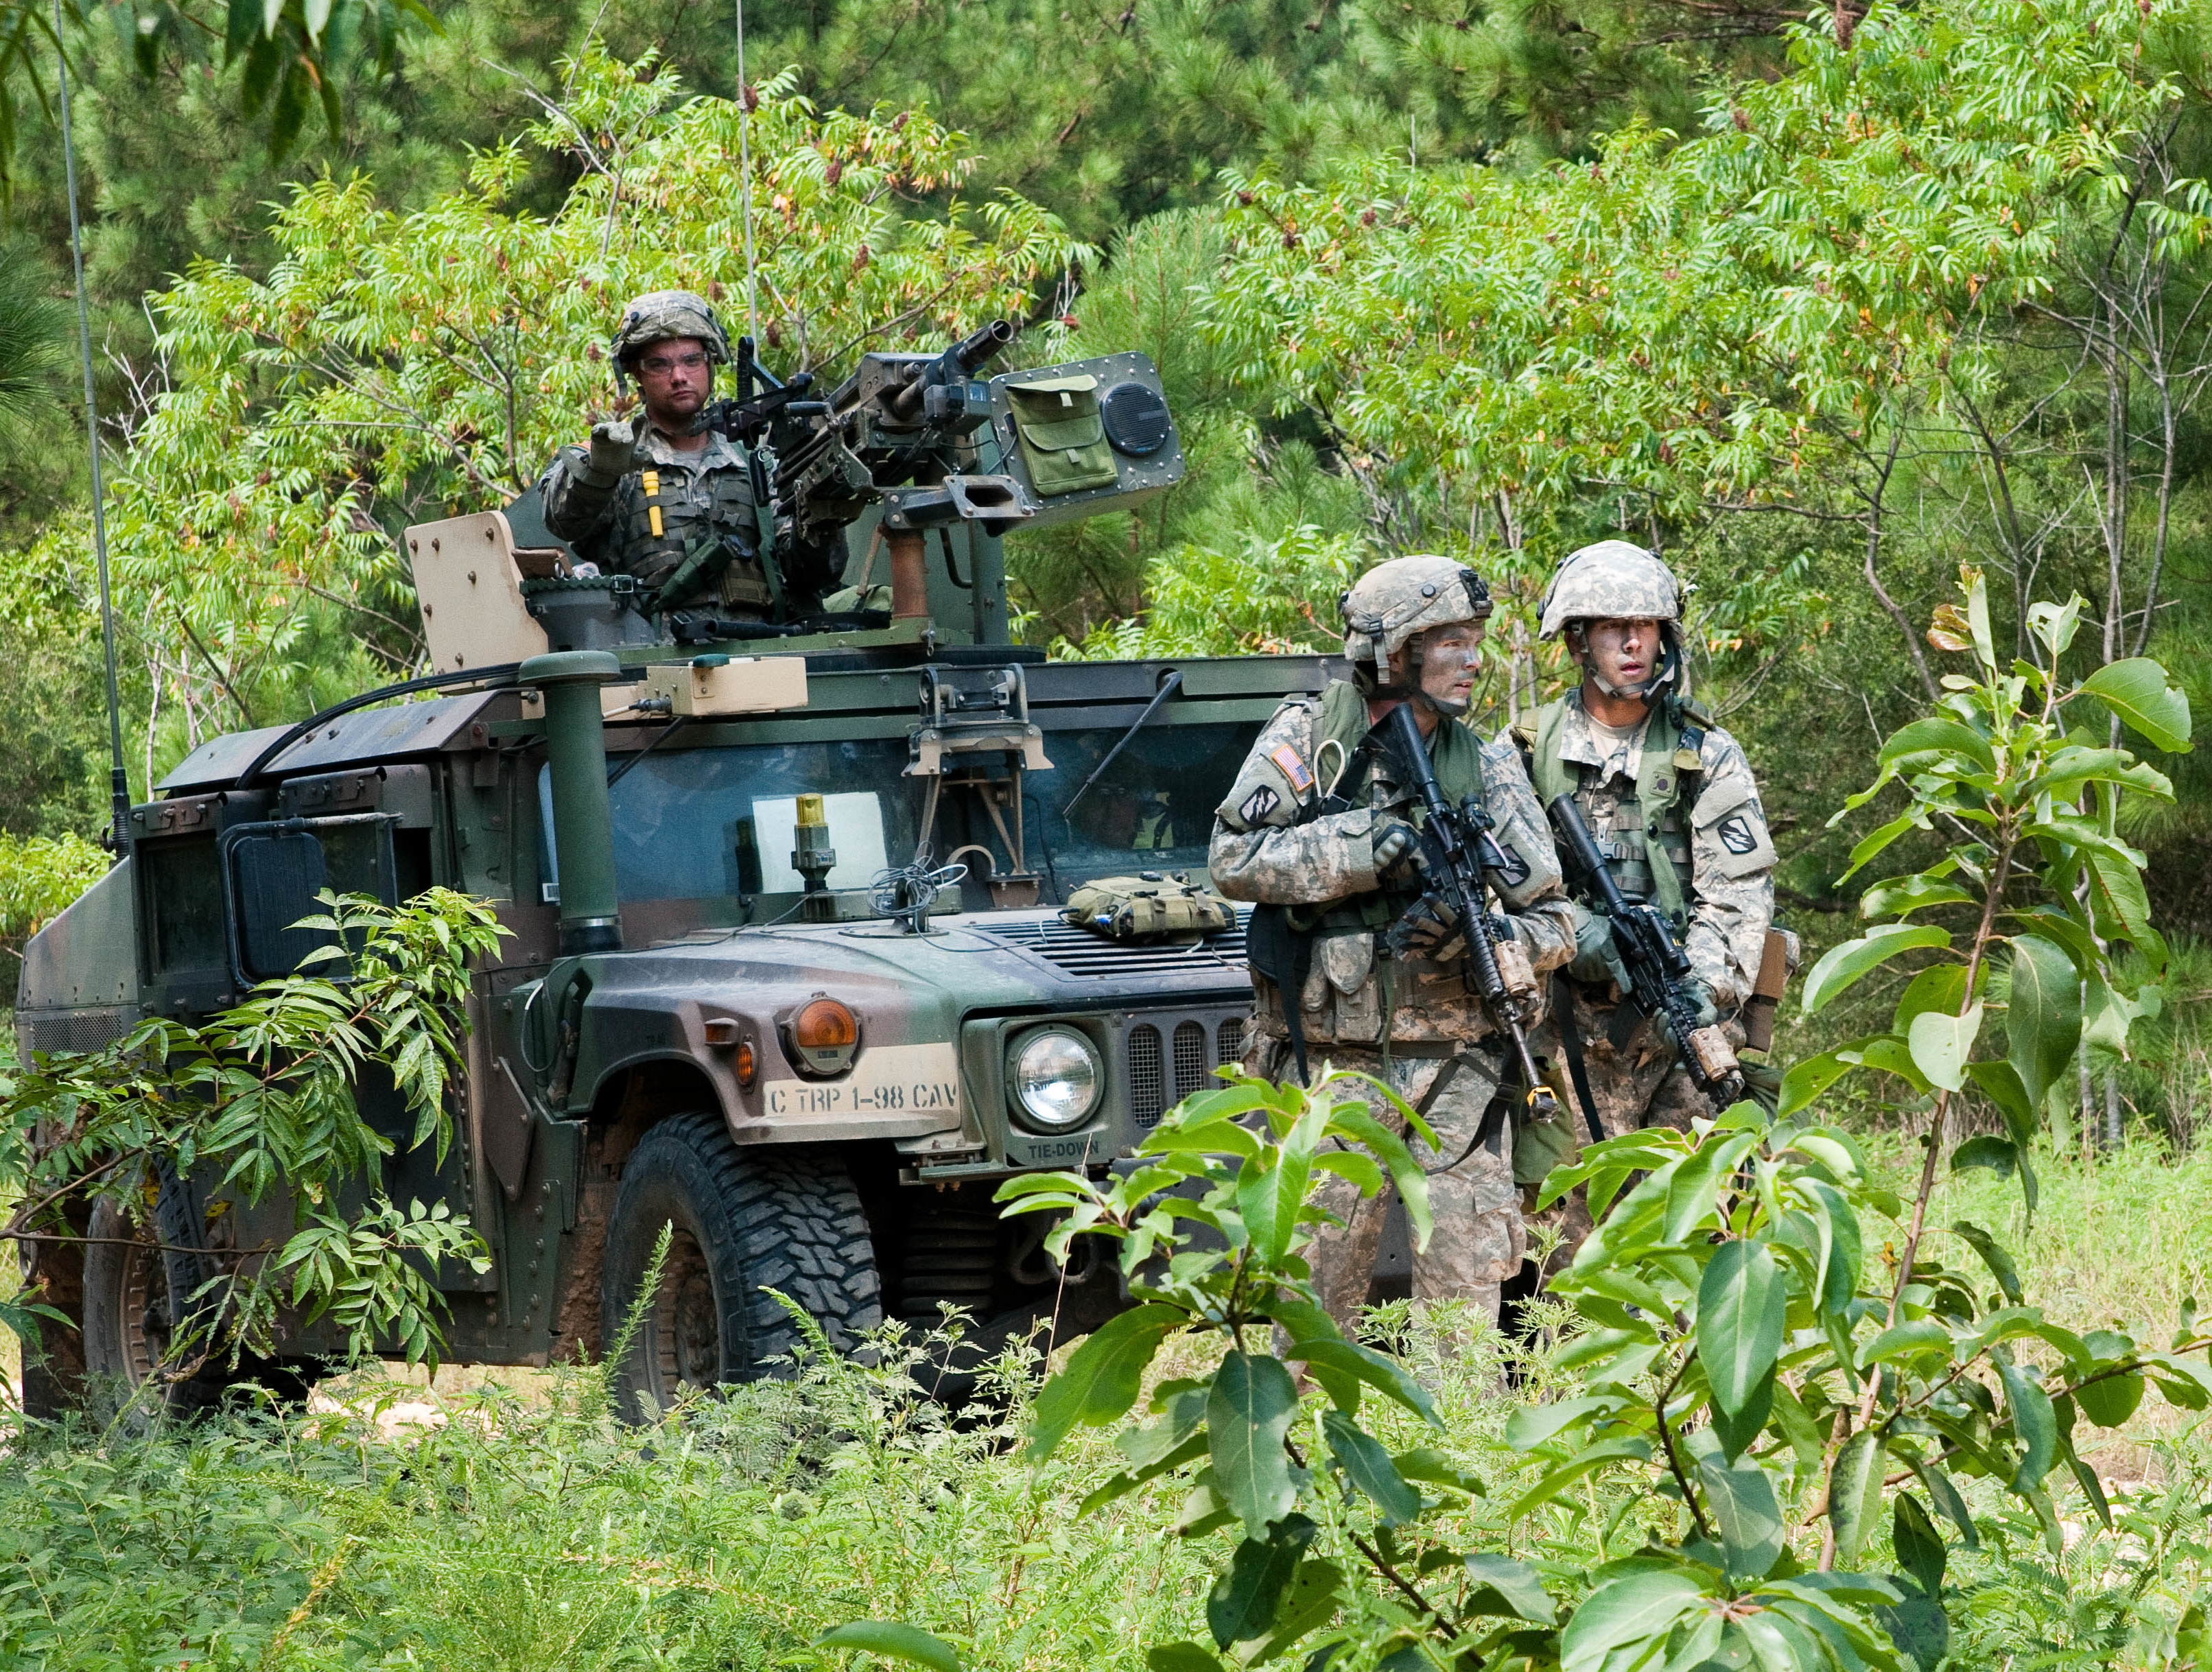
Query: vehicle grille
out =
(1076, 951)
(1192, 1046)
(73, 1030)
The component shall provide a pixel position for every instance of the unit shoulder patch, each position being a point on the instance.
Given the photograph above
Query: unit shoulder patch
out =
(1258, 804)
(1736, 834)
(1516, 868)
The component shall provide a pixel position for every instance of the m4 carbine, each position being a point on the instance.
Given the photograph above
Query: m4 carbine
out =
(1658, 968)
(1457, 844)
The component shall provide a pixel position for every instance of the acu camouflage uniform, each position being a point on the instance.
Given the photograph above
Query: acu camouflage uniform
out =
(648, 521)
(1676, 812)
(1410, 1021)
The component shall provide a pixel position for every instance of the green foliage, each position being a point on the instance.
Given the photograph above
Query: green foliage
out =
(263, 1098)
(521, 1528)
(40, 877)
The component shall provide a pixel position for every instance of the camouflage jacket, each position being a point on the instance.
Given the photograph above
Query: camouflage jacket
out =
(650, 520)
(1326, 865)
(1706, 823)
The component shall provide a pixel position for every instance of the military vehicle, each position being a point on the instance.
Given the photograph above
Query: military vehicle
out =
(788, 969)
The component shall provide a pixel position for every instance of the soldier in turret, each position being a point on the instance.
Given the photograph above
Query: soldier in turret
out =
(659, 496)
(1353, 962)
(1670, 797)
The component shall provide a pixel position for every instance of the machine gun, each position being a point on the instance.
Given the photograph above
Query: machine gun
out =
(1458, 844)
(1656, 967)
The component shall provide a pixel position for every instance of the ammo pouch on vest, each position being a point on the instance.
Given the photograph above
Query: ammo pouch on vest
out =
(1150, 907)
(1062, 433)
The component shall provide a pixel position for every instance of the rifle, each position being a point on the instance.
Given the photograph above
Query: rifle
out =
(1458, 843)
(1657, 966)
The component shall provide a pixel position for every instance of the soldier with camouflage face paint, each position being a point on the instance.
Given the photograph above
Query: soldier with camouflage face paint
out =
(1354, 961)
(1672, 802)
(659, 498)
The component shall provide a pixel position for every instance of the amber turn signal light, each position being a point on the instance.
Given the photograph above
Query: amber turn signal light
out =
(746, 1065)
(822, 1038)
(825, 1026)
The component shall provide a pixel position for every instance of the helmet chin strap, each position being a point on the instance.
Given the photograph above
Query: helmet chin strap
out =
(1670, 664)
(1413, 690)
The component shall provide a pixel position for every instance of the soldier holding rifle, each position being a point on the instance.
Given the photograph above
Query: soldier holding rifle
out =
(1361, 955)
(1648, 1033)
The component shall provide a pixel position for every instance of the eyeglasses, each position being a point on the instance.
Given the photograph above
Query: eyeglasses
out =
(661, 365)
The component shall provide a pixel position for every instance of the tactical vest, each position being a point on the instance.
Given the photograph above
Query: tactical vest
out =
(1281, 940)
(662, 517)
(1646, 842)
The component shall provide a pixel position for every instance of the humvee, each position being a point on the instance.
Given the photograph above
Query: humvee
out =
(787, 970)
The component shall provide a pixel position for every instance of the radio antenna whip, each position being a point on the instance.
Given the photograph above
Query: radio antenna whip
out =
(745, 173)
(118, 780)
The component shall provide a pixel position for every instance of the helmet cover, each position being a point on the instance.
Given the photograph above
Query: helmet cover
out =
(1394, 600)
(1612, 580)
(661, 316)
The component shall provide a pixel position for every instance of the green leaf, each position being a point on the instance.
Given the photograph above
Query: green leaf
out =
(1747, 1515)
(894, 1641)
(1842, 966)
(1993, 1255)
(2033, 1421)
(2147, 702)
(1736, 1431)
(1366, 1463)
(1530, 1425)
(1179, 1657)
(240, 27)
(1919, 1628)
(289, 110)
(1907, 1339)
(1941, 1044)
(1691, 1193)
(1629, 1610)
(1948, 1502)
(1102, 1377)
(1248, 1415)
(1243, 1603)
(1741, 1307)
(1425, 1463)
(1384, 1375)
(2042, 1020)
(1940, 986)
(1986, 1150)
(1855, 1491)
(1504, 1586)
(1269, 1198)
(1937, 735)
(2110, 1400)
(1919, 1546)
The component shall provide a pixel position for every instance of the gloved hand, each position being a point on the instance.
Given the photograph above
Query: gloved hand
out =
(1429, 929)
(1708, 1002)
(1596, 960)
(1395, 840)
(614, 446)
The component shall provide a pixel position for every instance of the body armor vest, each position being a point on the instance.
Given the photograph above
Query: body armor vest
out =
(663, 516)
(1644, 829)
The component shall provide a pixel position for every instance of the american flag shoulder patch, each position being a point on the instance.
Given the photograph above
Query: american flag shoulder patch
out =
(1294, 769)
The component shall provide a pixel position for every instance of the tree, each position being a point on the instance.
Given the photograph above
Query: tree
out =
(395, 366)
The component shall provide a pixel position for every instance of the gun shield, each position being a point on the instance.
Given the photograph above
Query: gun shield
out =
(1086, 437)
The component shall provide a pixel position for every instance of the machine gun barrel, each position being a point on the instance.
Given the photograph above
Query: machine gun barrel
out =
(955, 365)
(1657, 966)
(1461, 867)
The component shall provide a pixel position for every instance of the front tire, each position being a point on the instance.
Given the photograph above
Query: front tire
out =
(740, 1223)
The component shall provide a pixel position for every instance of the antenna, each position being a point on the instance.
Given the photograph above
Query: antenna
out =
(118, 781)
(745, 173)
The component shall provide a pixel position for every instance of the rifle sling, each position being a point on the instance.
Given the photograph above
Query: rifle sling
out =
(1571, 1041)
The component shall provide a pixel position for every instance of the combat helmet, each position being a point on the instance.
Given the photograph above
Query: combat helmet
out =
(658, 316)
(1394, 601)
(1616, 581)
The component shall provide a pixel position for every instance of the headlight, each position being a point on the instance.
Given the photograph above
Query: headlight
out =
(1056, 1079)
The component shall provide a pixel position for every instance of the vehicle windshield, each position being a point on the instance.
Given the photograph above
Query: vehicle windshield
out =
(717, 823)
